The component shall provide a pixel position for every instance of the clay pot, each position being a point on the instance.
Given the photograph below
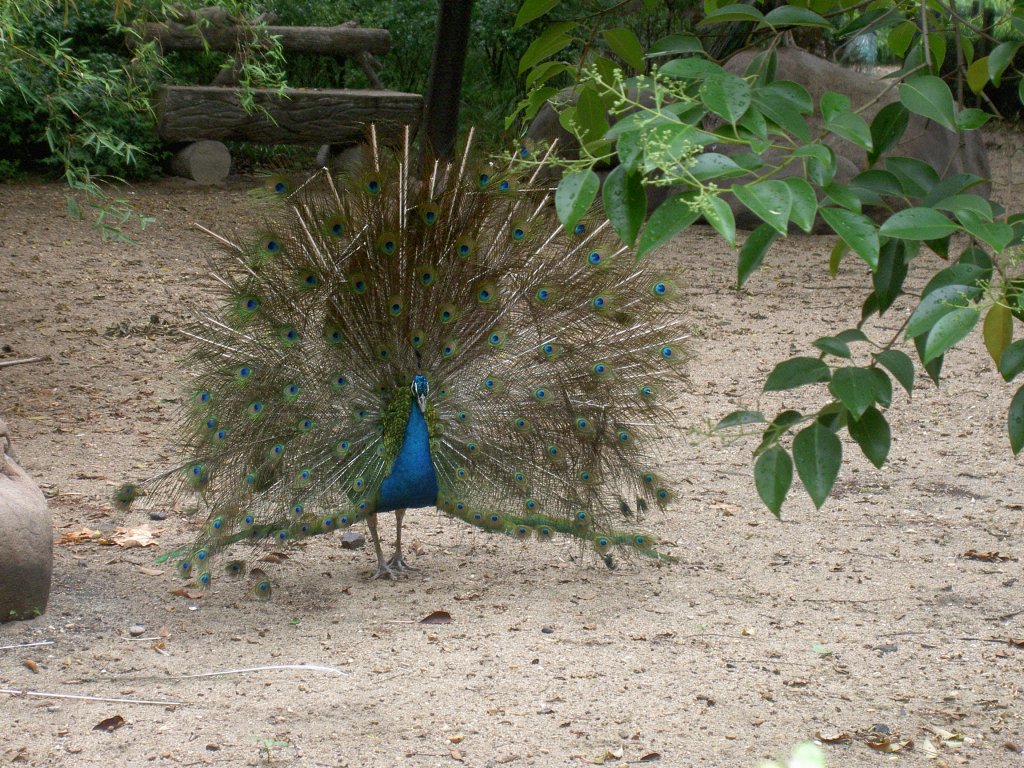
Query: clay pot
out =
(26, 540)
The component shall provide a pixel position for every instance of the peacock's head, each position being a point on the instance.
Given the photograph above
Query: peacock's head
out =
(420, 390)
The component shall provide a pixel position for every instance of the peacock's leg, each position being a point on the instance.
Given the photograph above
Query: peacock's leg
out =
(384, 571)
(397, 562)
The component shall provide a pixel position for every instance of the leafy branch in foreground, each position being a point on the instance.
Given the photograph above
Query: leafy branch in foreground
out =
(674, 118)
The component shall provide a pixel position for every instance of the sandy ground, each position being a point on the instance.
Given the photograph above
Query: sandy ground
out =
(863, 622)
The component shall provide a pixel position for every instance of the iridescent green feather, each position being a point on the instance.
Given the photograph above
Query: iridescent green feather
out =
(551, 359)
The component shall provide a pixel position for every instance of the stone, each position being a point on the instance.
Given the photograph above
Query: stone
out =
(947, 152)
(352, 540)
(26, 540)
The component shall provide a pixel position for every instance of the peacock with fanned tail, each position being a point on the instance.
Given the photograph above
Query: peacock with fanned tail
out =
(409, 335)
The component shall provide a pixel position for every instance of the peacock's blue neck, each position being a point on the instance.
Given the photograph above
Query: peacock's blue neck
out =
(412, 481)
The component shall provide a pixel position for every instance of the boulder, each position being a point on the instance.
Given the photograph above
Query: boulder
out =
(26, 540)
(946, 151)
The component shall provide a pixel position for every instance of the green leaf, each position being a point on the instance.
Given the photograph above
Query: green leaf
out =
(1011, 360)
(773, 476)
(532, 9)
(804, 206)
(871, 431)
(1000, 59)
(977, 74)
(712, 165)
(769, 200)
(883, 386)
(753, 251)
(887, 129)
(727, 95)
(719, 215)
(843, 196)
(966, 274)
(851, 334)
(917, 224)
(693, 68)
(851, 127)
(671, 217)
(625, 202)
(626, 46)
(831, 345)
(930, 97)
(874, 184)
(590, 116)
(575, 194)
(971, 119)
(937, 305)
(934, 367)
(544, 72)
(740, 419)
(948, 330)
(855, 388)
(734, 12)
(967, 203)
(892, 271)
(676, 44)
(899, 37)
(899, 365)
(997, 331)
(1015, 421)
(996, 235)
(857, 231)
(916, 177)
(839, 250)
(796, 372)
(818, 454)
(550, 42)
(794, 16)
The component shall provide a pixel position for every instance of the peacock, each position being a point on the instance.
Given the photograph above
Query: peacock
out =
(407, 334)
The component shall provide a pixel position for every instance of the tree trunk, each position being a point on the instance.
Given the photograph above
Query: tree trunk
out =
(445, 89)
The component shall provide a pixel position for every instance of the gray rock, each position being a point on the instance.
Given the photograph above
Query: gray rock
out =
(352, 540)
(947, 152)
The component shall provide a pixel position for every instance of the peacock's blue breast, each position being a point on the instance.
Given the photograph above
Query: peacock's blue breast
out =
(412, 482)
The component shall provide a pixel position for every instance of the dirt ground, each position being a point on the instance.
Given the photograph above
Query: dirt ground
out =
(864, 622)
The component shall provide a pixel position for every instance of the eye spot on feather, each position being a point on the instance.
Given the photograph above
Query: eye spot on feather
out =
(595, 258)
(579, 229)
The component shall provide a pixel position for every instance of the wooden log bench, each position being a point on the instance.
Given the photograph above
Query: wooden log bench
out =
(199, 118)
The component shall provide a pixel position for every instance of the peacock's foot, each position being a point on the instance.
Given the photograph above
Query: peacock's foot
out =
(397, 563)
(386, 572)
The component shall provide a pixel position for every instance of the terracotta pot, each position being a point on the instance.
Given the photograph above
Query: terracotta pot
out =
(26, 540)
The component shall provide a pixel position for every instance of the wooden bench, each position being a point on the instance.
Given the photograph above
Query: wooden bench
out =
(204, 116)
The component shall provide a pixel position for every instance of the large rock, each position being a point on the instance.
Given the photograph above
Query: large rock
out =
(946, 151)
(26, 540)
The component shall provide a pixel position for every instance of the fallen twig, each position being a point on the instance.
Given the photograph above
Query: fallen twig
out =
(46, 695)
(23, 361)
(26, 645)
(312, 667)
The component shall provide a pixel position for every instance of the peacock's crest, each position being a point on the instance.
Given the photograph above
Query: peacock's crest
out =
(393, 339)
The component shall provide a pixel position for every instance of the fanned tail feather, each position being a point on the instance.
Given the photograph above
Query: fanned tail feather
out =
(550, 356)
